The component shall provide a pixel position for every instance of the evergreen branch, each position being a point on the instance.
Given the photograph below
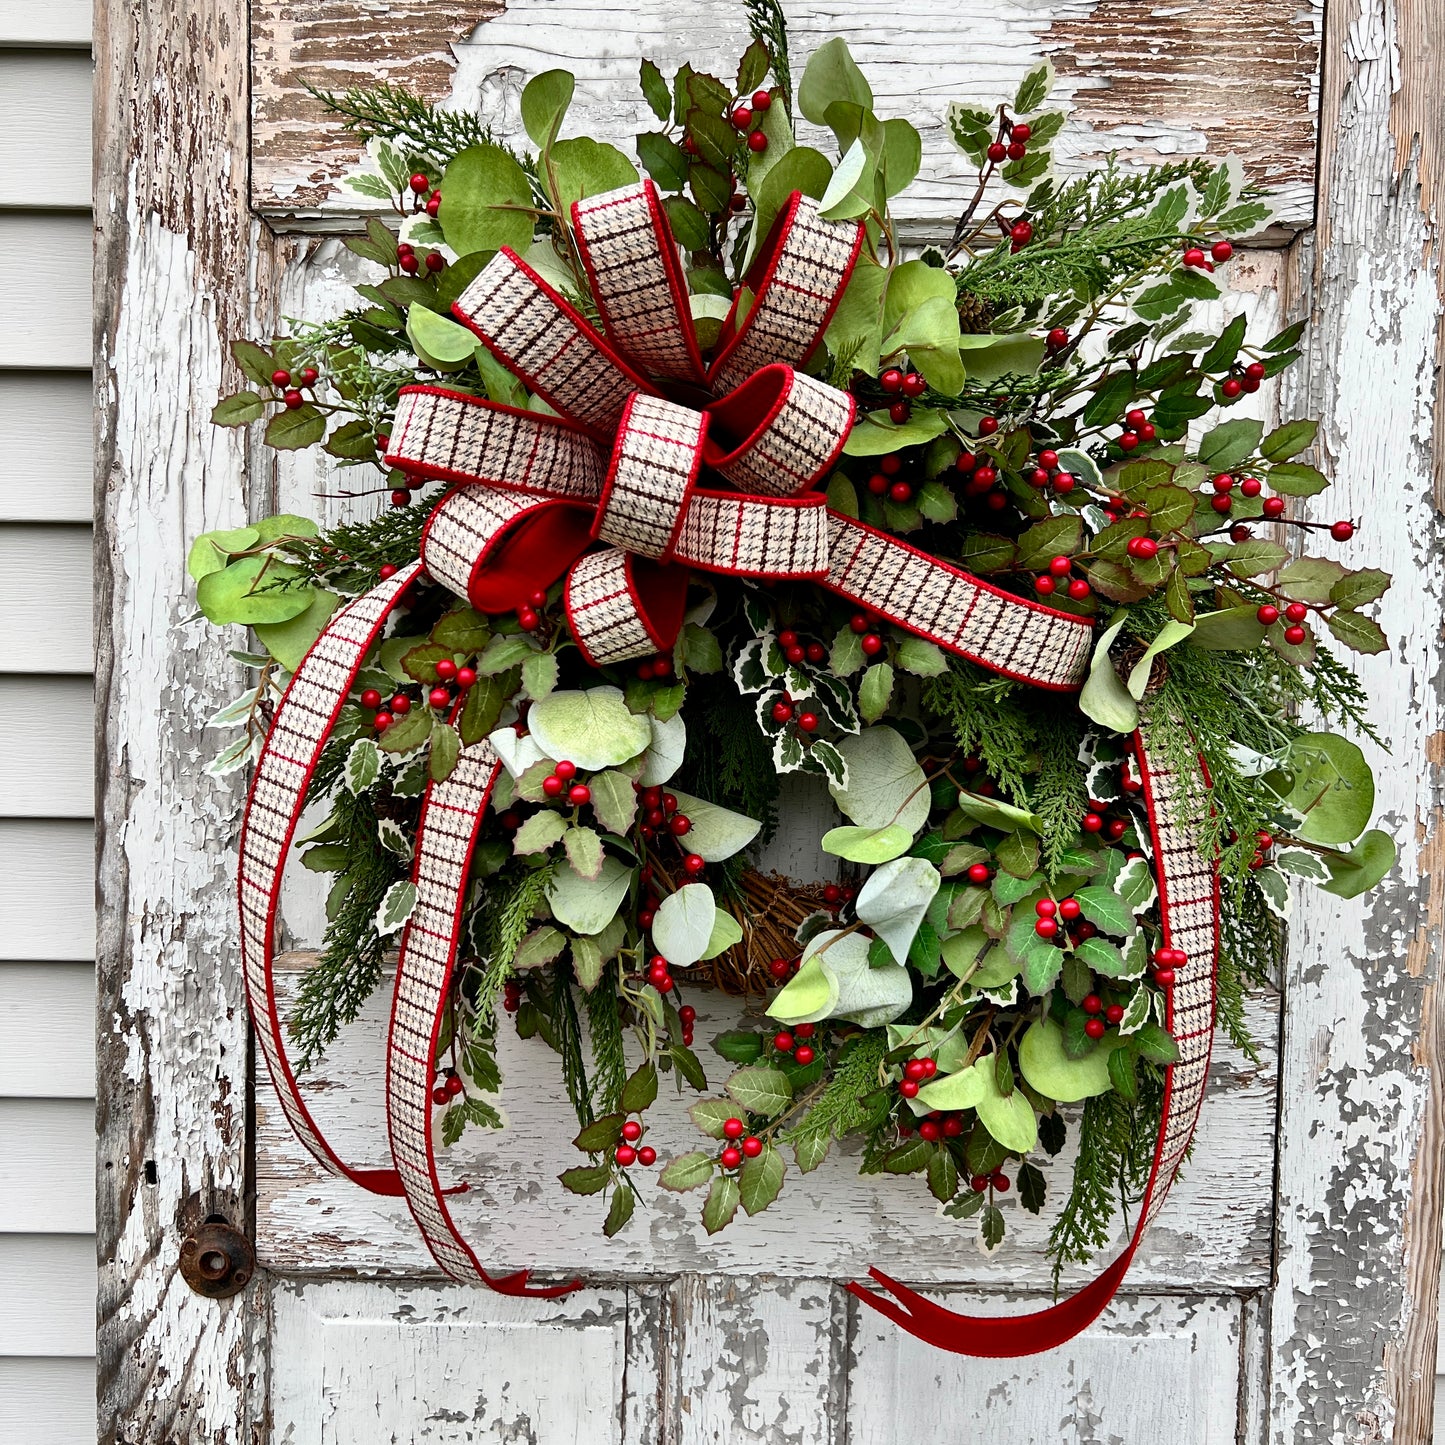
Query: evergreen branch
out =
(604, 1029)
(767, 23)
(390, 112)
(567, 1030)
(841, 1107)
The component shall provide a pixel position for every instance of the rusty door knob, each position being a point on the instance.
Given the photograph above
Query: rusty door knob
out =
(217, 1260)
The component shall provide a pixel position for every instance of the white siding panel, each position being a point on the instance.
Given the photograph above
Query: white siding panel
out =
(57, 22)
(47, 1170)
(47, 443)
(45, 599)
(49, 1295)
(47, 1023)
(47, 891)
(47, 766)
(47, 1402)
(45, 303)
(45, 93)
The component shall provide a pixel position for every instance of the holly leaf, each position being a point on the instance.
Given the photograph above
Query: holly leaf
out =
(586, 1178)
(760, 1180)
(1358, 632)
(624, 1201)
(721, 1204)
(761, 1090)
(687, 1171)
(601, 1135)
(942, 1176)
(1288, 440)
(1031, 1183)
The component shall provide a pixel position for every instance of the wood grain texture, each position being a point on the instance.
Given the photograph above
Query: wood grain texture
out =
(1214, 1234)
(45, 94)
(180, 269)
(47, 765)
(47, 1019)
(47, 1185)
(364, 1362)
(1354, 1313)
(1146, 79)
(45, 599)
(48, 1401)
(47, 890)
(49, 1296)
(45, 303)
(45, 437)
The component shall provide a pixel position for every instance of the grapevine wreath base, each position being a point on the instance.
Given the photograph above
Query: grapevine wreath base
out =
(692, 426)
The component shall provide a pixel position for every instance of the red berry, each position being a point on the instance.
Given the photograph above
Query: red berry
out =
(730, 1158)
(1017, 150)
(985, 476)
(662, 983)
(1095, 1028)
(552, 785)
(965, 462)
(997, 152)
(694, 863)
(805, 1031)
(1164, 976)
(454, 1085)
(1038, 477)
(914, 385)
(679, 823)
(1092, 823)
(1273, 507)
(733, 1129)
(1296, 612)
(419, 184)
(527, 619)
(1069, 909)
(1194, 256)
(1114, 1013)
(434, 205)
(1044, 585)
(1294, 635)
(1057, 339)
(987, 425)
(435, 261)
(780, 968)
(1221, 250)
(1079, 589)
(632, 1131)
(1046, 927)
(929, 1130)
(752, 1146)
(782, 712)
(1142, 547)
(407, 262)
(915, 1069)
(401, 703)
(446, 669)
(439, 1095)
(1116, 829)
(816, 652)
(1000, 1182)
(280, 378)
(439, 697)
(899, 412)
(381, 721)
(1250, 487)
(1223, 482)
(1231, 386)
(871, 644)
(293, 399)
(1268, 614)
(1342, 531)
(1092, 1004)
(1046, 908)
(878, 484)
(978, 873)
(371, 698)
(783, 1042)
(757, 142)
(808, 721)
(1240, 533)
(803, 1054)
(1060, 566)
(1049, 459)
(900, 492)
(978, 1183)
(1129, 440)
(908, 1088)
(742, 116)
(578, 794)
(1021, 132)
(1254, 371)
(1221, 504)
(891, 381)
(647, 1156)
(762, 99)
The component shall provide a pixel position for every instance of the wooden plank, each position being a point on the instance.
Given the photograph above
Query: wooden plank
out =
(48, 1183)
(47, 1019)
(45, 304)
(47, 1402)
(58, 23)
(45, 599)
(47, 890)
(1160, 1368)
(1214, 1234)
(179, 271)
(1362, 1128)
(47, 764)
(45, 93)
(49, 1295)
(359, 1361)
(45, 434)
(1143, 80)
(757, 1360)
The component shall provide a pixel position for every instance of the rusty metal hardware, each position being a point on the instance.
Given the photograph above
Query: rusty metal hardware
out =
(216, 1260)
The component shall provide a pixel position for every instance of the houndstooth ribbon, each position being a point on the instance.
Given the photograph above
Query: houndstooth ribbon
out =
(626, 466)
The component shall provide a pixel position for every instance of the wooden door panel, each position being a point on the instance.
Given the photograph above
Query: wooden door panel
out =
(360, 1362)
(1214, 1233)
(1143, 79)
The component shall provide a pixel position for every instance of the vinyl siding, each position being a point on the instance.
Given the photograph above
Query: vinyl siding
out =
(47, 908)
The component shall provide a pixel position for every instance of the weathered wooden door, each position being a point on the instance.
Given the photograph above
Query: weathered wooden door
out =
(1288, 1293)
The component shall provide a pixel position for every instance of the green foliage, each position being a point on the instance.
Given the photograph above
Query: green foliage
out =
(390, 112)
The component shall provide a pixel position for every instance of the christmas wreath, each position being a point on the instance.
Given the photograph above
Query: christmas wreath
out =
(735, 486)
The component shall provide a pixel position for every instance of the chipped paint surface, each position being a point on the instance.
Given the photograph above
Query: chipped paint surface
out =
(1353, 1334)
(1123, 65)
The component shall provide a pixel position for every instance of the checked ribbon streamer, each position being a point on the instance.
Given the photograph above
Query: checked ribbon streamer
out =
(658, 463)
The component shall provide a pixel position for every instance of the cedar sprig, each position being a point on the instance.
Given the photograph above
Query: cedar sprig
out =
(604, 1032)
(768, 24)
(391, 112)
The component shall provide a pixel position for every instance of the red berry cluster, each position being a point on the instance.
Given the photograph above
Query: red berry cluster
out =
(688, 1015)
(659, 974)
(1012, 143)
(451, 680)
(530, 615)
(741, 1145)
(1046, 583)
(291, 385)
(794, 1042)
(420, 187)
(1101, 1015)
(1138, 430)
(1166, 961)
(886, 482)
(562, 781)
(628, 1153)
(1194, 255)
(655, 669)
(1053, 915)
(511, 996)
(1096, 820)
(407, 259)
(835, 895)
(746, 114)
(916, 1073)
(935, 1126)
(869, 638)
(446, 1086)
(660, 817)
(1046, 473)
(796, 650)
(1263, 844)
(908, 386)
(982, 480)
(998, 1181)
(783, 969)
